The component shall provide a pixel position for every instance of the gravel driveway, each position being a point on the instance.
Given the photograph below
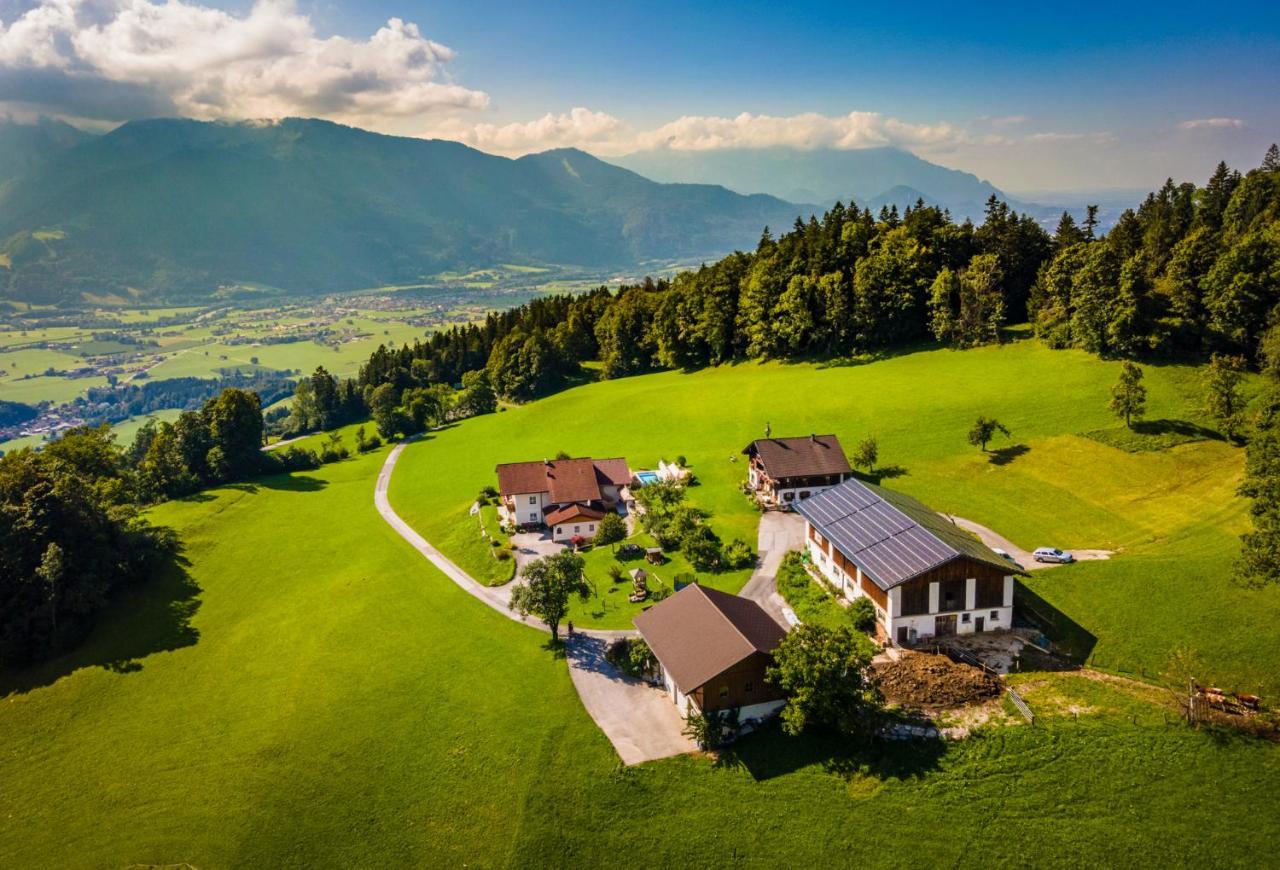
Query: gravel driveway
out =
(1021, 556)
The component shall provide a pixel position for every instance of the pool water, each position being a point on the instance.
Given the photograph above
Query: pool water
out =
(647, 478)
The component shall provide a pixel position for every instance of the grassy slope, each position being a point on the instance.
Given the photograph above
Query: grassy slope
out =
(1172, 513)
(334, 701)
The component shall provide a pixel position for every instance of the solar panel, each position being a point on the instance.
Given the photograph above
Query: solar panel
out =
(890, 536)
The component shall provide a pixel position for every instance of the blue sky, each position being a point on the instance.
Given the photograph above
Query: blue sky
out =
(1032, 98)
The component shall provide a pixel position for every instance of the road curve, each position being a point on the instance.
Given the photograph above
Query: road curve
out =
(499, 598)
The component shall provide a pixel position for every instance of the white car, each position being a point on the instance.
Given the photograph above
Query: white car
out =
(1052, 554)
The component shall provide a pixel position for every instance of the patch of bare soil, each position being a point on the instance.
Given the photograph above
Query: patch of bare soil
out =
(934, 681)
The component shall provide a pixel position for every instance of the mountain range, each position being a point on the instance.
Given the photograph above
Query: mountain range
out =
(871, 177)
(176, 208)
(172, 208)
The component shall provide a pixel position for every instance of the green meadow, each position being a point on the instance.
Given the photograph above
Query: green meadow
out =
(1171, 514)
(303, 689)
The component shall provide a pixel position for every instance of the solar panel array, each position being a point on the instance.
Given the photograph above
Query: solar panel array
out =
(890, 536)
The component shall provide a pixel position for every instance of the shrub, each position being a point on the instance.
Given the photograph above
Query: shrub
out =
(611, 530)
(738, 554)
(333, 454)
(863, 614)
(502, 555)
(487, 493)
(702, 548)
(373, 442)
(681, 461)
(639, 658)
(297, 459)
(615, 573)
(714, 729)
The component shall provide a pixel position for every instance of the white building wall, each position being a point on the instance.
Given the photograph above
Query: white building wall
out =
(526, 512)
(565, 531)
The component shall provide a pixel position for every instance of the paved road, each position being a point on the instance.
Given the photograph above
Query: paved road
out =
(497, 597)
(779, 533)
(1021, 556)
(640, 721)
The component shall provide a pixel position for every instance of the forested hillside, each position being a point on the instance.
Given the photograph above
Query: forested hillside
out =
(175, 208)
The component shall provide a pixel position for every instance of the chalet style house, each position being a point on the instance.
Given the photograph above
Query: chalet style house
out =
(925, 576)
(567, 496)
(713, 649)
(787, 470)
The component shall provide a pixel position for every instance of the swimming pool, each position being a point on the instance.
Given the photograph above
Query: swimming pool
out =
(647, 478)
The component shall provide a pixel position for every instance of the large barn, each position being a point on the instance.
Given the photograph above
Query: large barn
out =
(925, 576)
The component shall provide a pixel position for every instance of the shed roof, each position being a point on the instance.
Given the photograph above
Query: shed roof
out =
(891, 537)
(565, 479)
(698, 633)
(800, 457)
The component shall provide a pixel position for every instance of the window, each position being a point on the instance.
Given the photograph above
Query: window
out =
(533, 499)
(724, 691)
(591, 528)
(995, 616)
(748, 687)
(964, 617)
(559, 530)
(533, 518)
(576, 528)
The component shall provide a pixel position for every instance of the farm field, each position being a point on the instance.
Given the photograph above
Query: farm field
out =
(1171, 514)
(304, 689)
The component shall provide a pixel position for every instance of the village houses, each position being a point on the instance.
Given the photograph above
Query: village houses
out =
(569, 497)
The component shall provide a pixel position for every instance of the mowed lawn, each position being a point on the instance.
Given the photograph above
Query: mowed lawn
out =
(1171, 514)
(309, 692)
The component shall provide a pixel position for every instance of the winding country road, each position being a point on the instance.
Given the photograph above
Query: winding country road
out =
(639, 720)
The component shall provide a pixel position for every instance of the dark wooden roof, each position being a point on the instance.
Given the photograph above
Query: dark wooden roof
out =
(699, 633)
(567, 480)
(811, 455)
(890, 536)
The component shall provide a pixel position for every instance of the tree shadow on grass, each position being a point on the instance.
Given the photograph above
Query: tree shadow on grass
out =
(770, 753)
(1005, 455)
(879, 475)
(1180, 428)
(281, 482)
(154, 615)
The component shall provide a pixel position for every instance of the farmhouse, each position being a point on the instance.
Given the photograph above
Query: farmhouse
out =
(713, 649)
(567, 496)
(785, 470)
(925, 576)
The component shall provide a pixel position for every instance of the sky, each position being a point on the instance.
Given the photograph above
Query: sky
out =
(1033, 99)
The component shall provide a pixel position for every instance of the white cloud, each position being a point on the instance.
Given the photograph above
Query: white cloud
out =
(1212, 124)
(606, 134)
(207, 63)
(804, 131)
(577, 128)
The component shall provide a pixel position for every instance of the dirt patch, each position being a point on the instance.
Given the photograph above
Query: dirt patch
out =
(934, 681)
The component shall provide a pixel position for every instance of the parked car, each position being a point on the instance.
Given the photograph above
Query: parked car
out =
(1002, 554)
(1052, 554)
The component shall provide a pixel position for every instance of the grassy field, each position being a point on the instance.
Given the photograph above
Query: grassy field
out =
(305, 690)
(1171, 514)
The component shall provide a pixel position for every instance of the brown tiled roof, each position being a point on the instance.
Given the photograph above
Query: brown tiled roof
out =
(572, 511)
(567, 480)
(800, 457)
(699, 633)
